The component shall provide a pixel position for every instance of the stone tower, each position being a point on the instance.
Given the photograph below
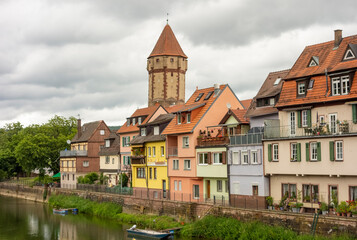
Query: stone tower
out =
(167, 65)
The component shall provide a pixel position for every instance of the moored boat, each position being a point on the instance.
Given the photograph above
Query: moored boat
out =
(147, 233)
(60, 211)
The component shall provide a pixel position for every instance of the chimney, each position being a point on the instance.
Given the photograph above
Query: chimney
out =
(338, 37)
(79, 128)
(216, 89)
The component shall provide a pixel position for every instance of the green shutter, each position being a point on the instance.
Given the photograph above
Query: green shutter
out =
(318, 151)
(299, 118)
(332, 151)
(308, 117)
(129, 160)
(354, 113)
(298, 152)
(122, 141)
(307, 152)
(269, 152)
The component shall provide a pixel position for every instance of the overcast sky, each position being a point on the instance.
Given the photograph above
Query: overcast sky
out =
(89, 57)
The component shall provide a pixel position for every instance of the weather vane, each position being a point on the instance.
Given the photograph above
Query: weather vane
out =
(167, 19)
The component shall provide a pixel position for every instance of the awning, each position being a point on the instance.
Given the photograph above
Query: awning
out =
(57, 175)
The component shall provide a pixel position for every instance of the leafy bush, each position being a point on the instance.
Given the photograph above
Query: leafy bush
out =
(90, 178)
(145, 221)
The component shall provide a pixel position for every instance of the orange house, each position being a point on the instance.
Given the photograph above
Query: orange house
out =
(206, 107)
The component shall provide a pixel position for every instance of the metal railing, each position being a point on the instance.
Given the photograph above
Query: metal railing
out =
(73, 153)
(316, 129)
(245, 139)
(172, 151)
(211, 141)
(105, 189)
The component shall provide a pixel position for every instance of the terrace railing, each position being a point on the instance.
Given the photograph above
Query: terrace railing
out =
(73, 153)
(245, 139)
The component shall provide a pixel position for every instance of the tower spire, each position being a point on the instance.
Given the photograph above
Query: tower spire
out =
(167, 19)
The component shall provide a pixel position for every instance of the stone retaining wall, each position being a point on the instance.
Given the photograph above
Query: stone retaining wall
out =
(190, 211)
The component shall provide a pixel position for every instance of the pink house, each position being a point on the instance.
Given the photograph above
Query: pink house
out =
(206, 107)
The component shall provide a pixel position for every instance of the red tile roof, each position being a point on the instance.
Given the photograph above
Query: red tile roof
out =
(149, 111)
(330, 59)
(174, 128)
(246, 103)
(167, 45)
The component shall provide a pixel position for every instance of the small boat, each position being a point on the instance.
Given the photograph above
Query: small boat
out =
(60, 211)
(147, 233)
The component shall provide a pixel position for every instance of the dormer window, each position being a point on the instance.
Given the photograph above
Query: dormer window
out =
(277, 81)
(311, 83)
(128, 122)
(134, 121)
(340, 85)
(139, 120)
(272, 101)
(349, 55)
(179, 118)
(301, 88)
(188, 117)
(107, 143)
(198, 97)
(208, 95)
(143, 132)
(314, 61)
(156, 130)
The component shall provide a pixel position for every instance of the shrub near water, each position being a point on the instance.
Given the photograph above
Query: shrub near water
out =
(147, 221)
(228, 228)
(108, 210)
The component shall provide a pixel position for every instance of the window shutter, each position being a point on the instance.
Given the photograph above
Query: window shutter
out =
(260, 156)
(122, 141)
(332, 151)
(249, 160)
(239, 156)
(269, 152)
(308, 117)
(128, 140)
(224, 161)
(354, 113)
(230, 157)
(318, 151)
(299, 119)
(209, 158)
(298, 151)
(129, 160)
(307, 152)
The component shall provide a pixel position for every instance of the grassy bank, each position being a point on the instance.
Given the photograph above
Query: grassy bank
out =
(112, 211)
(228, 228)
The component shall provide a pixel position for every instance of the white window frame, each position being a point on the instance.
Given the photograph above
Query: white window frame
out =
(188, 117)
(301, 88)
(153, 151)
(134, 121)
(107, 143)
(162, 150)
(336, 86)
(196, 192)
(85, 163)
(313, 151)
(107, 159)
(175, 164)
(139, 120)
(102, 132)
(185, 142)
(352, 57)
(219, 186)
(345, 85)
(271, 101)
(187, 164)
(275, 156)
(149, 151)
(235, 158)
(203, 159)
(304, 118)
(175, 185)
(245, 157)
(143, 131)
(293, 152)
(156, 130)
(180, 185)
(217, 158)
(339, 150)
(179, 119)
(254, 157)
(333, 123)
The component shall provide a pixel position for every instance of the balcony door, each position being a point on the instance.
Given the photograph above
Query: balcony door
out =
(333, 123)
(292, 123)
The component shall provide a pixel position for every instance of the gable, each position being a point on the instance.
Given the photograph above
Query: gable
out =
(349, 54)
(231, 120)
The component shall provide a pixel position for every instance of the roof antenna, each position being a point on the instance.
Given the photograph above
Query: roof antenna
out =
(167, 19)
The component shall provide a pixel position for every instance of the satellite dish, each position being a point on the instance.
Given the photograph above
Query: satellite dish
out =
(68, 141)
(229, 105)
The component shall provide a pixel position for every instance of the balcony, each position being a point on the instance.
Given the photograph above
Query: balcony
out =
(172, 151)
(205, 141)
(138, 159)
(246, 139)
(73, 153)
(274, 131)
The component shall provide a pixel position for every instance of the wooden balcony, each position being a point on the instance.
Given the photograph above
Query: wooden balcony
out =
(212, 141)
(138, 159)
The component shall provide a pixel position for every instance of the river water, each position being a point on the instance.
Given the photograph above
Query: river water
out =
(27, 220)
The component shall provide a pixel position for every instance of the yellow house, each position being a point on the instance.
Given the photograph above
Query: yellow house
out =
(149, 162)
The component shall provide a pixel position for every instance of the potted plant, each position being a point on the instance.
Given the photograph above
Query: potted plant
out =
(307, 198)
(269, 201)
(342, 208)
(324, 208)
(282, 202)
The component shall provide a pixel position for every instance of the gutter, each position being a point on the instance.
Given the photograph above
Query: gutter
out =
(326, 82)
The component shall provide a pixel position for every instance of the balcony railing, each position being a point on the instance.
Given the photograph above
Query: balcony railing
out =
(138, 159)
(73, 153)
(212, 141)
(172, 151)
(244, 139)
(316, 129)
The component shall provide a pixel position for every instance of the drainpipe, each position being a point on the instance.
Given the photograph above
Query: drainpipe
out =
(326, 82)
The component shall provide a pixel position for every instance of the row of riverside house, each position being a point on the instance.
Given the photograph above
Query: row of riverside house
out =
(295, 139)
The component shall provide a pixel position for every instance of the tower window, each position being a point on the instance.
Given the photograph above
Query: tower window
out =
(171, 60)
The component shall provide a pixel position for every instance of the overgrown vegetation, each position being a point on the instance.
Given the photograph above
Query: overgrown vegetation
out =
(90, 178)
(228, 228)
(107, 210)
(148, 221)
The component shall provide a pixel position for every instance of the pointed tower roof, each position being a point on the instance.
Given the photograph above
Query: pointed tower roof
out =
(167, 45)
